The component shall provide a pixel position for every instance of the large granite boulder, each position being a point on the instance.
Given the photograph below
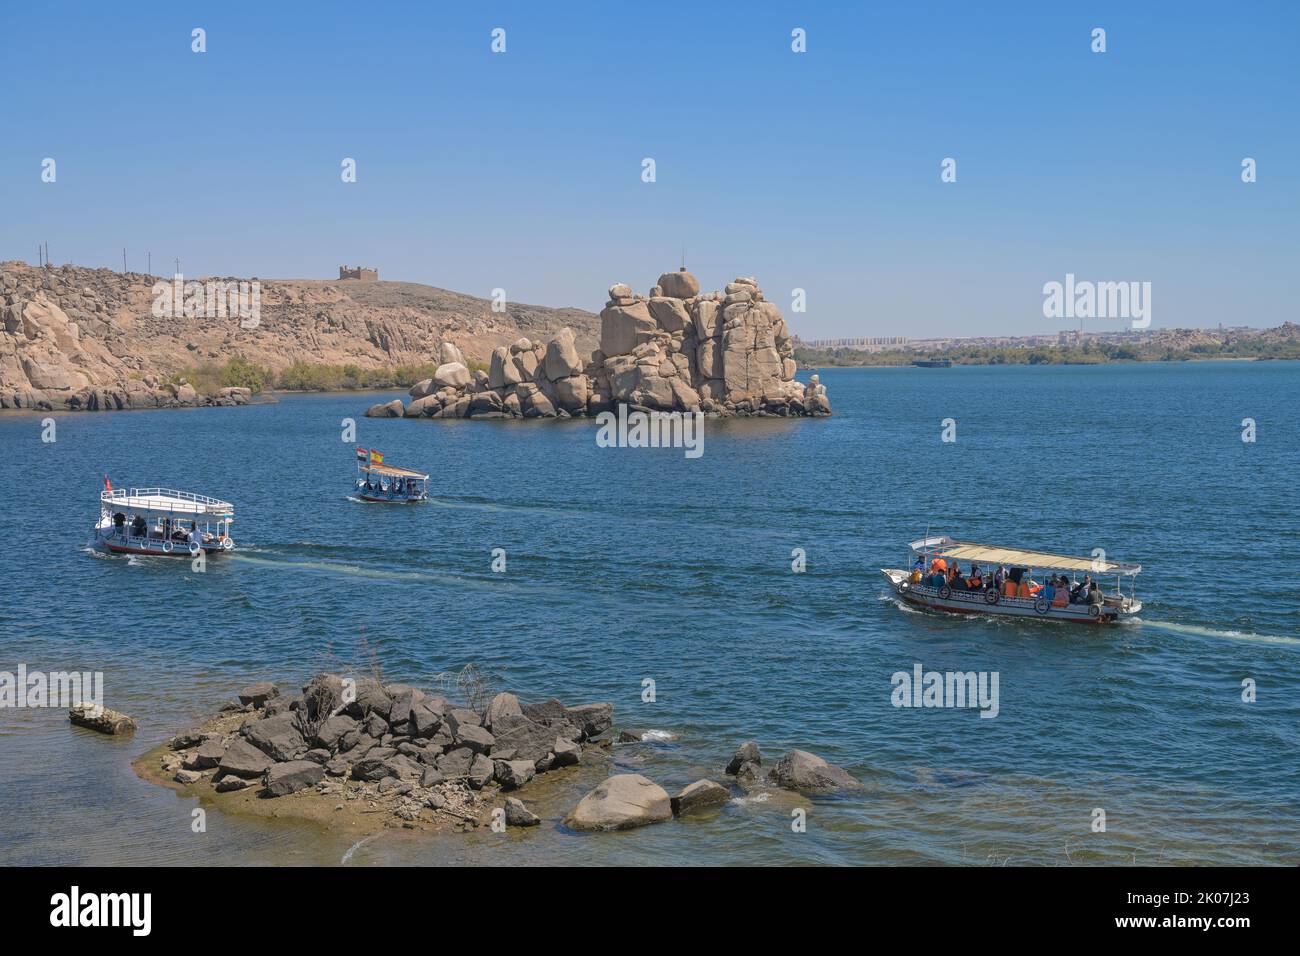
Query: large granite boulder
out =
(621, 802)
(679, 285)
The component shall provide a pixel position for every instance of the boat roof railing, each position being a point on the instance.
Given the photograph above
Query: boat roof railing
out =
(944, 547)
(392, 471)
(166, 501)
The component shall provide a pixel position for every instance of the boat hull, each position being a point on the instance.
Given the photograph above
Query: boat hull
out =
(994, 604)
(154, 548)
(382, 500)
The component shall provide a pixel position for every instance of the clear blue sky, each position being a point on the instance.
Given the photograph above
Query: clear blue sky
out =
(817, 170)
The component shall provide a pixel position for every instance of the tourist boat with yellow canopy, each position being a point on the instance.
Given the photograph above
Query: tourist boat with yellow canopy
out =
(379, 482)
(926, 584)
(162, 521)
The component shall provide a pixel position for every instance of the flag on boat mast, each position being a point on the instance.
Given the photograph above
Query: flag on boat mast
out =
(108, 485)
(361, 454)
(376, 458)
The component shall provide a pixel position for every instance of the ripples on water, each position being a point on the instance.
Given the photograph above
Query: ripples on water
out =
(625, 565)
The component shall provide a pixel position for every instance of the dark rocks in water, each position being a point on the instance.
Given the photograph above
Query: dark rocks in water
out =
(621, 802)
(697, 796)
(629, 737)
(277, 736)
(290, 777)
(258, 694)
(242, 759)
(513, 774)
(186, 741)
(592, 719)
(745, 753)
(101, 719)
(529, 739)
(567, 753)
(518, 815)
(208, 755)
(800, 770)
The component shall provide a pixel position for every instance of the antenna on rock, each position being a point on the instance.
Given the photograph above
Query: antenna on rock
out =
(683, 269)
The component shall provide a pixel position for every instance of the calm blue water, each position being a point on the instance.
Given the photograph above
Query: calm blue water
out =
(633, 564)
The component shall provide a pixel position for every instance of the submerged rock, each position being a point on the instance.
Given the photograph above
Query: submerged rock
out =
(697, 796)
(518, 815)
(101, 719)
(800, 770)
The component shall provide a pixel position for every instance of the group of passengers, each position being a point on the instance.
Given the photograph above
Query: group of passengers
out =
(398, 486)
(1012, 583)
(167, 530)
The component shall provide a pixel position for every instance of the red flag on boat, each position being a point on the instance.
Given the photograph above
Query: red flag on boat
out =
(108, 485)
(376, 458)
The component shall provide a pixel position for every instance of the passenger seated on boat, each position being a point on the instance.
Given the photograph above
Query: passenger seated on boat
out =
(1095, 596)
(139, 527)
(1049, 589)
(1062, 593)
(119, 522)
(1079, 593)
(1023, 589)
(976, 580)
(1000, 578)
(955, 580)
(940, 565)
(1009, 588)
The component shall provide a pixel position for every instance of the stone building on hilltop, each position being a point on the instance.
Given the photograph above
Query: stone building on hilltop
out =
(366, 275)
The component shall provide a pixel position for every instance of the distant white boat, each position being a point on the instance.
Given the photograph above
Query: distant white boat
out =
(925, 586)
(163, 522)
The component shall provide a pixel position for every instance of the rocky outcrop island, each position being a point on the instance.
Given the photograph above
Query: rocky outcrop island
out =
(722, 353)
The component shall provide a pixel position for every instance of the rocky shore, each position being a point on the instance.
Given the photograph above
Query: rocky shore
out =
(722, 354)
(94, 339)
(361, 755)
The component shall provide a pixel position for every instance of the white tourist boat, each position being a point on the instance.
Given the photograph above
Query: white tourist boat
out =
(163, 522)
(919, 586)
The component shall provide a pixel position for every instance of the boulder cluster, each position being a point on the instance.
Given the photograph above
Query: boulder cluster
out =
(629, 800)
(678, 349)
(391, 743)
(60, 347)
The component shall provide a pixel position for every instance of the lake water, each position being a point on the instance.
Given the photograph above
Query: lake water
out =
(632, 564)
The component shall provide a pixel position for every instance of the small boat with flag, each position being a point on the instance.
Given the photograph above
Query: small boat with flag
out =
(165, 522)
(1001, 581)
(377, 481)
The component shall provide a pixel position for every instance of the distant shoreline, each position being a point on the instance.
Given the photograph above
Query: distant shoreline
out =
(985, 364)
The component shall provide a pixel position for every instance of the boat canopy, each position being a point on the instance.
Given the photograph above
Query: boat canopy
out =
(944, 547)
(391, 471)
(166, 501)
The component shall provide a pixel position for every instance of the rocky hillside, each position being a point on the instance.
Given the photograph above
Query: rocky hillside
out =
(95, 339)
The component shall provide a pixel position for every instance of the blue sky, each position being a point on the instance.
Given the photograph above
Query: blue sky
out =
(818, 170)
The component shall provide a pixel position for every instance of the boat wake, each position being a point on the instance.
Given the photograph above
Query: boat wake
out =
(1232, 635)
(359, 571)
